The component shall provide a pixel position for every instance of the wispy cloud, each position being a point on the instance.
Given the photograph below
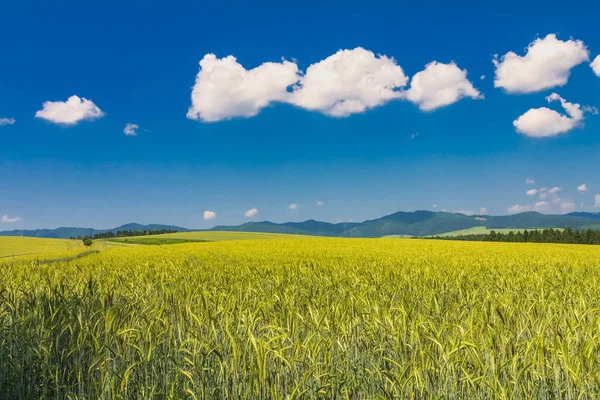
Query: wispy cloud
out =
(7, 121)
(10, 220)
(293, 206)
(131, 129)
(251, 212)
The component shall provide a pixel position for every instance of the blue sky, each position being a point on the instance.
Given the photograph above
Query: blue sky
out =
(138, 62)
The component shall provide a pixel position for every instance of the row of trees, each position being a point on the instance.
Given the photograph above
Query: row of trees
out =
(568, 235)
(87, 240)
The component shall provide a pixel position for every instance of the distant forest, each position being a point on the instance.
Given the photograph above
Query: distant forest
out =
(568, 235)
(127, 233)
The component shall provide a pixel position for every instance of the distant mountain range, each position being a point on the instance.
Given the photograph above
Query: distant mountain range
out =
(67, 232)
(417, 223)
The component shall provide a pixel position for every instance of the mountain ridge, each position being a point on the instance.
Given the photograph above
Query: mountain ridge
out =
(415, 223)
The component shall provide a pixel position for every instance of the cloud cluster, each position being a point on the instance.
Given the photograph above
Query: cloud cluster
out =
(69, 112)
(131, 129)
(251, 213)
(10, 220)
(7, 121)
(549, 202)
(345, 83)
(546, 64)
(543, 122)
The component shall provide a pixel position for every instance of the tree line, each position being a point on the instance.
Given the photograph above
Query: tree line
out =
(126, 233)
(549, 235)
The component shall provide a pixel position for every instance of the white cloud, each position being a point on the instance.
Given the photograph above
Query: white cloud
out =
(543, 122)
(597, 200)
(320, 204)
(517, 208)
(293, 206)
(10, 220)
(532, 192)
(482, 77)
(208, 215)
(7, 121)
(596, 65)
(345, 83)
(582, 188)
(131, 129)
(529, 181)
(224, 89)
(69, 112)
(251, 213)
(440, 85)
(565, 205)
(542, 206)
(349, 82)
(482, 210)
(414, 136)
(546, 64)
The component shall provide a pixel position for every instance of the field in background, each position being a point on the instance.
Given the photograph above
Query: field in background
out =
(305, 317)
(26, 246)
(479, 230)
(202, 236)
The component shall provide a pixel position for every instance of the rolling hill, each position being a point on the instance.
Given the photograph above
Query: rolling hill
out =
(416, 223)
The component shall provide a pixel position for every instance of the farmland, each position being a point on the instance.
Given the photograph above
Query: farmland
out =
(305, 317)
(25, 246)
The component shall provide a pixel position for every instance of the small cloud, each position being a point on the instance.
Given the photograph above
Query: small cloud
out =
(482, 210)
(69, 112)
(596, 65)
(208, 215)
(597, 200)
(544, 122)
(293, 206)
(7, 121)
(251, 213)
(582, 188)
(440, 85)
(435, 206)
(532, 192)
(10, 220)
(131, 129)
(482, 77)
(320, 204)
(414, 136)
(529, 181)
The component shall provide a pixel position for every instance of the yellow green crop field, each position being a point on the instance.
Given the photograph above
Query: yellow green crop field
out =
(305, 318)
(200, 236)
(22, 246)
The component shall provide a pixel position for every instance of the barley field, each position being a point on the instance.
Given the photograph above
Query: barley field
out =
(17, 246)
(305, 318)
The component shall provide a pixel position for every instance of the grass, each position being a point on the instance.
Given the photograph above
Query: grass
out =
(26, 246)
(305, 318)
